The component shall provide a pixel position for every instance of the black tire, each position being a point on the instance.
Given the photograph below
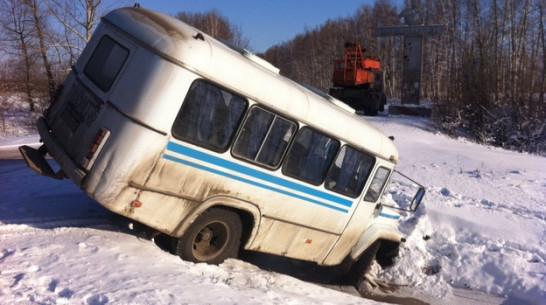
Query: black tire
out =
(374, 111)
(387, 254)
(372, 103)
(382, 102)
(212, 238)
(363, 265)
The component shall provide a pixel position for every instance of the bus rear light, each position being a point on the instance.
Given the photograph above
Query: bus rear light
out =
(98, 142)
(136, 204)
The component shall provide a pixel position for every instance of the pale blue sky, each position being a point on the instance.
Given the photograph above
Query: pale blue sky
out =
(267, 23)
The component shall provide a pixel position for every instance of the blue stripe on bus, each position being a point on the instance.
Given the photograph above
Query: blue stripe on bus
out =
(215, 171)
(184, 150)
(382, 214)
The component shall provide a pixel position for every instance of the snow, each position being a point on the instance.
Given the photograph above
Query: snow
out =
(482, 224)
(478, 238)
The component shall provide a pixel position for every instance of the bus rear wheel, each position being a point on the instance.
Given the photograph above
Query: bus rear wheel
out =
(212, 238)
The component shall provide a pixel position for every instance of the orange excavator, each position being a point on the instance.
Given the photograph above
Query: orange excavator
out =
(358, 81)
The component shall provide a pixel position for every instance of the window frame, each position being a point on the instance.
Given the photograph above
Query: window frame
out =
(382, 188)
(361, 188)
(255, 160)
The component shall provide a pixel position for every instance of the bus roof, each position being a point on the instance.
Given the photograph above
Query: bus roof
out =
(251, 76)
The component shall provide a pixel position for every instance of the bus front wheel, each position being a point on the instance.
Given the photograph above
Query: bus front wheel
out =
(213, 237)
(357, 274)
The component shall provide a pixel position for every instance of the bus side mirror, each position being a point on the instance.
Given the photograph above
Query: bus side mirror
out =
(416, 201)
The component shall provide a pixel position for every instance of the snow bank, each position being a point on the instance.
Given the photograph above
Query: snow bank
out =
(482, 224)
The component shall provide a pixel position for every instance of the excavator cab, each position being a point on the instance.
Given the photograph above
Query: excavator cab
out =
(358, 80)
(355, 69)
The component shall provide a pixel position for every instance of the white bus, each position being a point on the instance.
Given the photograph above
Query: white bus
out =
(209, 144)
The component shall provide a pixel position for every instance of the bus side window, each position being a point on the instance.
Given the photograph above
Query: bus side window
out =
(277, 141)
(209, 116)
(253, 133)
(349, 172)
(310, 156)
(378, 182)
(263, 138)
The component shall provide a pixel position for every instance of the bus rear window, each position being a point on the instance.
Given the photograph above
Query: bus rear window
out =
(105, 63)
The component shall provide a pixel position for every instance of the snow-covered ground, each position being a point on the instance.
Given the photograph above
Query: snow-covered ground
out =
(483, 222)
(481, 229)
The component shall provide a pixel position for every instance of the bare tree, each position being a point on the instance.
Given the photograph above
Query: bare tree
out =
(78, 17)
(15, 22)
(216, 25)
(541, 8)
(39, 28)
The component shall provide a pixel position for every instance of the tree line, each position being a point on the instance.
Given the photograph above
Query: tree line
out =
(485, 73)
